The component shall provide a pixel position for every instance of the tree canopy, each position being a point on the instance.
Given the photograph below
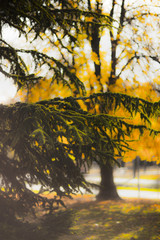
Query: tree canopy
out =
(62, 20)
(48, 142)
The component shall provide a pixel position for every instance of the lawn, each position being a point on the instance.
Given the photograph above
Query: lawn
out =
(85, 219)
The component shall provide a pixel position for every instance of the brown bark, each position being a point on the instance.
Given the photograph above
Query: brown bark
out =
(108, 189)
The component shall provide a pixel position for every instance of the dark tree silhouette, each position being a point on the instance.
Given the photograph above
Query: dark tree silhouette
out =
(48, 142)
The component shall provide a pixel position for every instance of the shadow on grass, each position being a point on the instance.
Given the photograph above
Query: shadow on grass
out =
(50, 227)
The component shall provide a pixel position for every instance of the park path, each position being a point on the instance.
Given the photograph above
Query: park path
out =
(127, 186)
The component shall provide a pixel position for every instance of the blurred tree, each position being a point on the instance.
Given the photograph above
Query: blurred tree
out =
(48, 142)
(133, 56)
(131, 59)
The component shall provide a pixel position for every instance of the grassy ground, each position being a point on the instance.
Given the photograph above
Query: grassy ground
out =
(85, 219)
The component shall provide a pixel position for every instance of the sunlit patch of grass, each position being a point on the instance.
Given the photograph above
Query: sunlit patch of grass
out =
(154, 208)
(150, 177)
(155, 238)
(146, 176)
(131, 209)
(91, 238)
(125, 236)
(141, 189)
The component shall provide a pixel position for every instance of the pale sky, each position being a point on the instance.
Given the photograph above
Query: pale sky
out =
(7, 90)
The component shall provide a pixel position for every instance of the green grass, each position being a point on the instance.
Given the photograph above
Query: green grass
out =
(108, 220)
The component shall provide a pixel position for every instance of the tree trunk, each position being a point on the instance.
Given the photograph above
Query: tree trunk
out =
(108, 189)
(107, 186)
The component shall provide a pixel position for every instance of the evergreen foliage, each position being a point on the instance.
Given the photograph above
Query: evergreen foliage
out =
(49, 142)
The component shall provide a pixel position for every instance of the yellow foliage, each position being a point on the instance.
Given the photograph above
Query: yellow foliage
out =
(72, 157)
(146, 147)
(118, 87)
(45, 50)
(44, 90)
(94, 58)
(36, 143)
(63, 139)
(47, 171)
